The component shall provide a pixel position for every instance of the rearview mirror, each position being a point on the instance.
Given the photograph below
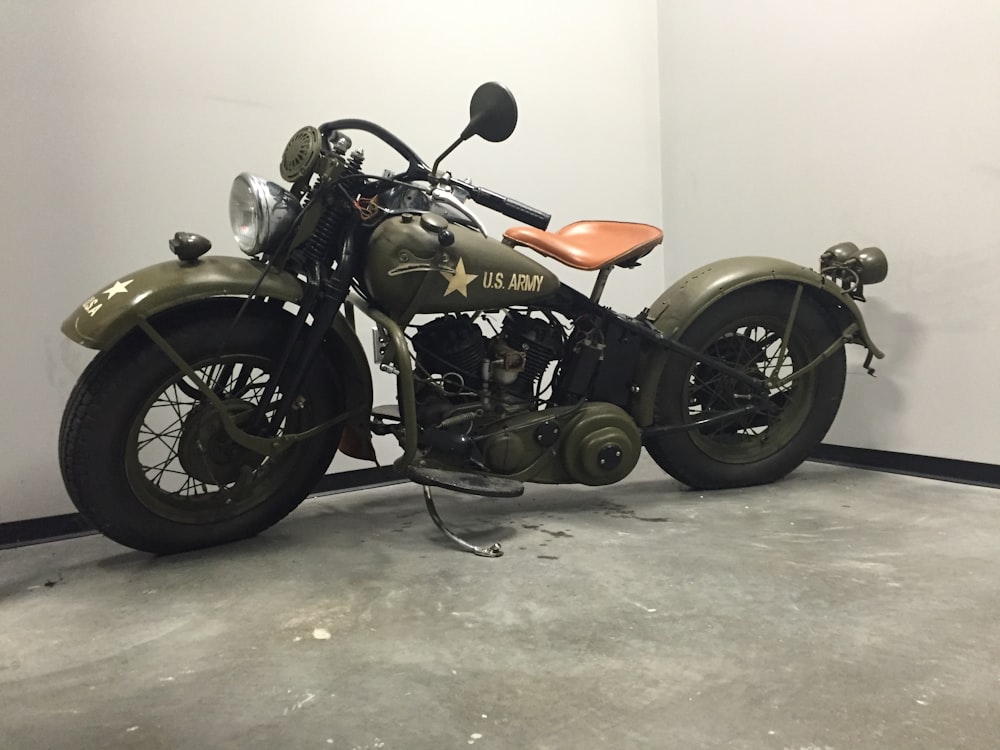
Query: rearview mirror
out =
(492, 116)
(492, 113)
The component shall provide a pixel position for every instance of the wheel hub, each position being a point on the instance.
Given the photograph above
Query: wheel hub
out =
(205, 449)
(717, 392)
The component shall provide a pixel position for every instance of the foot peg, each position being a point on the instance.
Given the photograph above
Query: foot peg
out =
(466, 481)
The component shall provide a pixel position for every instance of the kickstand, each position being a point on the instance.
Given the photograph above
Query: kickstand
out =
(493, 550)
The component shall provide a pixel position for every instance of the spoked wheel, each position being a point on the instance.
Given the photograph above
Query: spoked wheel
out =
(146, 457)
(180, 461)
(747, 331)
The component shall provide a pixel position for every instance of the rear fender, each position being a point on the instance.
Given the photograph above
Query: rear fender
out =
(158, 293)
(680, 305)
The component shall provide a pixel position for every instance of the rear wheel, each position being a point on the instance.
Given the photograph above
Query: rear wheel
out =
(145, 456)
(746, 330)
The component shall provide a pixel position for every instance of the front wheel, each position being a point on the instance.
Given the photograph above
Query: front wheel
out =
(747, 331)
(145, 457)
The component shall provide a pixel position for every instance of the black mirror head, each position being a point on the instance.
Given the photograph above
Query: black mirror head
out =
(492, 113)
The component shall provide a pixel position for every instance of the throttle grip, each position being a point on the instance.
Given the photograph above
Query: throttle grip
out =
(509, 207)
(523, 212)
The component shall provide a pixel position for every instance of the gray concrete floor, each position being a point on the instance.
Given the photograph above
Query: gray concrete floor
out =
(837, 609)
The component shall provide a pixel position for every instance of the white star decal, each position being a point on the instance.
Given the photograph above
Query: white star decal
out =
(459, 280)
(119, 288)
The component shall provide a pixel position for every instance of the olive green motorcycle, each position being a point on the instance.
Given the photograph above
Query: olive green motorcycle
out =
(224, 386)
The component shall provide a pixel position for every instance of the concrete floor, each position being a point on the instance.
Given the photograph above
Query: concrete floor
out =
(837, 609)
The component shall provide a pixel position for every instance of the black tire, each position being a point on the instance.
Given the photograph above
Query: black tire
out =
(745, 329)
(131, 407)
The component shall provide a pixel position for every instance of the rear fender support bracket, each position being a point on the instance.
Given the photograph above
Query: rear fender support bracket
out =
(680, 305)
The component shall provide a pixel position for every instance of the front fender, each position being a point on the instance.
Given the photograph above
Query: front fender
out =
(680, 305)
(112, 312)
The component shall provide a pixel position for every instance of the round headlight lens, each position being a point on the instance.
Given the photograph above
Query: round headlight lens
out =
(244, 215)
(260, 212)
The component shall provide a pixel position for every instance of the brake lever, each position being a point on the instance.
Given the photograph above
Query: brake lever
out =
(446, 196)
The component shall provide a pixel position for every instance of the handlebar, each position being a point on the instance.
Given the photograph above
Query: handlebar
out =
(419, 169)
(416, 164)
(507, 206)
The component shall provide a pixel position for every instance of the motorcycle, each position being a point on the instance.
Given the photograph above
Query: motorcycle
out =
(224, 386)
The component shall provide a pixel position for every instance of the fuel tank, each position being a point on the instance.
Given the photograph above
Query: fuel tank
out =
(423, 264)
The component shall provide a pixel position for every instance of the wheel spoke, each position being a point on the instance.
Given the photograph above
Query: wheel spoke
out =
(173, 403)
(251, 380)
(182, 458)
(222, 379)
(209, 374)
(754, 349)
(174, 427)
(770, 338)
(154, 437)
(164, 471)
(748, 348)
(741, 353)
(190, 390)
(172, 447)
(187, 483)
(159, 475)
(159, 413)
(241, 381)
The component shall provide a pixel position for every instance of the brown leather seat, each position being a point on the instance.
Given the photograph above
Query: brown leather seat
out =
(590, 245)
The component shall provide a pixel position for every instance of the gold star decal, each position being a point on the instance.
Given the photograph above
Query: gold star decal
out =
(120, 287)
(459, 280)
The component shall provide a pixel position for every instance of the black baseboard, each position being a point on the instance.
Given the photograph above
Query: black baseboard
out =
(359, 479)
(929, 467)
(52, 528)
(45, 529)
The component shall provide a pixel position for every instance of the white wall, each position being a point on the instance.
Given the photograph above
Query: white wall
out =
(786, 127)
(123, 122)
(789, 126)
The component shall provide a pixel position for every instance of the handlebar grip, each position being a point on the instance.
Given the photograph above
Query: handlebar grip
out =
(512, 208)
(523, 212)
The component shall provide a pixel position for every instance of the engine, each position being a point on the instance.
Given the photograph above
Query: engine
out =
(522, 351)
(462, 364)
(454, 348)
(478, 397)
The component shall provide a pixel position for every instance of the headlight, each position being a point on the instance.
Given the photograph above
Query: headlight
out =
(852, 268)
(260, 212)
(874, 265)
(869, 266)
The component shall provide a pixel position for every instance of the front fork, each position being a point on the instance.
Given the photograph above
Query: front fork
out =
(264, 445)
(322, 300)
(289, 377)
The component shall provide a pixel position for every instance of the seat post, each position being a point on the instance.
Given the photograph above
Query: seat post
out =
(602, 279)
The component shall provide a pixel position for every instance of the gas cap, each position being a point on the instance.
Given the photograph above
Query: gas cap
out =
(433, 223)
